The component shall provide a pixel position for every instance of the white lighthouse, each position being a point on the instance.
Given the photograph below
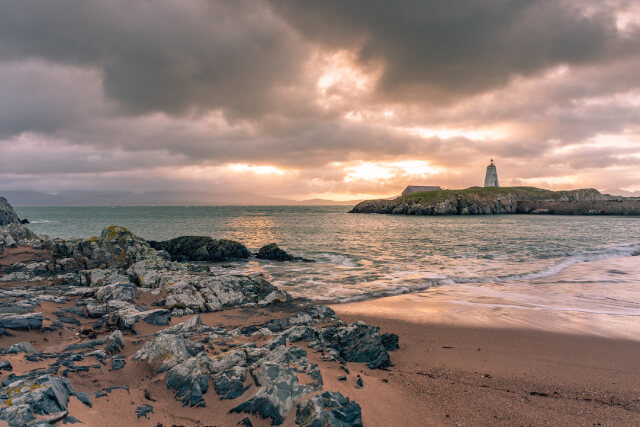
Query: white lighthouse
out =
(491, 178)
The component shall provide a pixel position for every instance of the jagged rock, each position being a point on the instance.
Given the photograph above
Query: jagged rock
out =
(22, 347)
(95, 311)
(127, 318)
(190, 326)
(190, 380)
(356, 342)
(21, 321)
(116, 247)
(117, 291)
(114, 342)
(229, 384)
(359, 382)
(17, 235)
(45, 395)
(163, 352)
(10, 242)
(25, 221)
(83, 397)
(7, 214)
(5, 365)
(330, 408)
(102, 277)
(201, 248)
(275, 374)
(117, 363)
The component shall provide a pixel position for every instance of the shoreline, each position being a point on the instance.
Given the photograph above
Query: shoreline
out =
(464, 375)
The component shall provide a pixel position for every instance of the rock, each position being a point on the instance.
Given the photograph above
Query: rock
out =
(83, 397)
(163, 352)
(7, 214)
(45, 395)
(21, 321)
(275, 374)
(127, 318)
(117, 363)
(114, 342)
(95, 311)
(101, 277)
(356, 342)
(5, 365)
(359, 383)
(246, 422)
(10, 242)
(229, 384)
(22, 347)
(193, 325)
(24, 221)
(274, 253)
(390, 342)
(142, 411)
(328, 409)
(190, 380)
(116, 248)
(117, 291)
(201, 248)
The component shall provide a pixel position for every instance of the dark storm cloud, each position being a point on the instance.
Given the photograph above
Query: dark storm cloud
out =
(451, 48)
(162, 55)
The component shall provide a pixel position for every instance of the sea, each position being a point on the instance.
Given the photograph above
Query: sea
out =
(553, 263)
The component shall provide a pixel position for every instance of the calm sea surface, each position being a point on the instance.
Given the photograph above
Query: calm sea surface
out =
(364, 256)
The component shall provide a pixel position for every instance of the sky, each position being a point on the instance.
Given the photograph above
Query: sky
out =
(331, 99)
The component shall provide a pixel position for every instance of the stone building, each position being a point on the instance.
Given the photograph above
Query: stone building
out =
(491, 178)
(417, 188)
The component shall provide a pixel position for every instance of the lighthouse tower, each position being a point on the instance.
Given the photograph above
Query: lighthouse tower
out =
(491, 178)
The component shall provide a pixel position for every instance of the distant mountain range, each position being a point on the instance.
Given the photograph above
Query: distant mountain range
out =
(158, 198)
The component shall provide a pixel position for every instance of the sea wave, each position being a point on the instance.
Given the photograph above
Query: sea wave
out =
(42, 221)
(595, 254)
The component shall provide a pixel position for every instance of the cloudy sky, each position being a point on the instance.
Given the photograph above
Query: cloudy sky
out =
(333, 99)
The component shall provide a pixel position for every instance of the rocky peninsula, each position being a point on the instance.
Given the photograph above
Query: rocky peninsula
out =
(115, 330)
(503, 200)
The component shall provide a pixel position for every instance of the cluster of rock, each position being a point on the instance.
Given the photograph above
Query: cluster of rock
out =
(516, 200)
(100, 281)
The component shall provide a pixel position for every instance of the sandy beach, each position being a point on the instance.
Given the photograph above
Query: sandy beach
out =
(461, 363)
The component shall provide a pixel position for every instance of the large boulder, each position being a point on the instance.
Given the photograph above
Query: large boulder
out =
(190, 380)
(163, 352)
(7, 214)
(116, 247)
(201, 248)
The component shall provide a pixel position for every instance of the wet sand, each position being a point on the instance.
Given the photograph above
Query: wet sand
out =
(467, 364)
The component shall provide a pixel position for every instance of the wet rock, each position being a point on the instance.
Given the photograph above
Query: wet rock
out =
(201, 248)
(328, 409)
(22, 347)
(117, 291)
(21, 321)
(190, 380)
(356, 342)
(274, 253)
(163, 352)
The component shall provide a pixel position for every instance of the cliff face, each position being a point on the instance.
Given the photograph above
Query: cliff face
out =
(506, 200)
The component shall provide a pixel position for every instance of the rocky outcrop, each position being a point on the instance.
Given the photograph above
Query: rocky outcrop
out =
(7, 214)
(273, 253)
(201, 248)
(503, 200)
(330, 408)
